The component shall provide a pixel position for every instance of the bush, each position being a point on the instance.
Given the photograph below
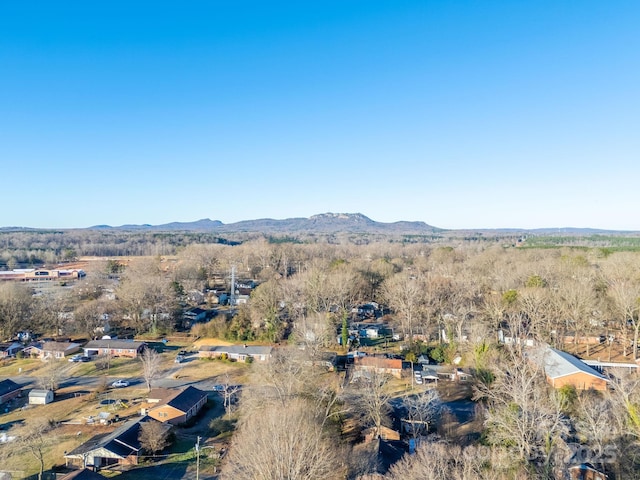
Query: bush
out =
(219, 426)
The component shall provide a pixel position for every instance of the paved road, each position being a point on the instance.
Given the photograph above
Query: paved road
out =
(167, 380)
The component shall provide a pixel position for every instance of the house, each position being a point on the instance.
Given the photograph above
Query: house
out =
(241, 299)
(217, 297)
(563, 369)
(119, 447)
(193, 316)
(40, 397)
(50, 349)
(82, 474)
(9, 349)
(115, 348)
(55, 350)
(9, 390)
(176, 406)
(371, 332)
(237, 352)
(585, 471)
(383, 365)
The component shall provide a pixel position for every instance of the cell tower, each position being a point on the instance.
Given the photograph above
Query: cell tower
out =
(232, 296)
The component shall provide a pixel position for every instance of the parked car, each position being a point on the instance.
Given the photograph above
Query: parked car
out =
(84, 358)
(75, 358)
(120, 384)
(179, 359)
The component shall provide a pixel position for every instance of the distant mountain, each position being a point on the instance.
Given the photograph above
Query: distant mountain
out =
(204, 225)
(334, 223)
(322, 223)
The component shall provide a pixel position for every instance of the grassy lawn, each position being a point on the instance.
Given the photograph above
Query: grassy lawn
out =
(200, 369)
(20, 366)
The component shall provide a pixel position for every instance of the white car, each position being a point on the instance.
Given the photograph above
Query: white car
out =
(120, 384)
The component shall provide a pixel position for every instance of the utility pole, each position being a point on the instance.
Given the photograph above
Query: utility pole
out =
(198, 459)
(232, 298)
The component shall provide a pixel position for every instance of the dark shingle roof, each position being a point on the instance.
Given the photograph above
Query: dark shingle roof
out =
(186, 399)
(84, 474)
(123, 441)
(8, 386)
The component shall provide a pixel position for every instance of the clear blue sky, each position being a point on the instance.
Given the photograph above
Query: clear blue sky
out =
(462, 114)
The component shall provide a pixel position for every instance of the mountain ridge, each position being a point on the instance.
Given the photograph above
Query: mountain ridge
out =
(326, 223)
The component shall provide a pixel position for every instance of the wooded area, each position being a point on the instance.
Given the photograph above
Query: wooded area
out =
(454, 304)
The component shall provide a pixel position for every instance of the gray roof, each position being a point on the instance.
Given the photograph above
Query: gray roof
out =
(117, 344)
(39, 393)
(558, 364)
(58, 346)
(238, 349)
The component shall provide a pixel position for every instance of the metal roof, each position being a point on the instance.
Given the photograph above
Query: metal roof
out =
(558, 364)
(238, 349)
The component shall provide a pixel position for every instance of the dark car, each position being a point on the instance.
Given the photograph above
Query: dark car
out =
(84, 359)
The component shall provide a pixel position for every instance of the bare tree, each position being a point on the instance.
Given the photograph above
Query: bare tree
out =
(284, 377)
(266, 310)
(273, 445)
(50, 376)
(16, 307)
(145, 295)
(421, 410)
(229, 392)
(626, 298)
(90, 317)
(373, 400)
(403, 293)
(34, 437)
(520, 413)
(153, 436)
(151, 362)
(597, 426)
(442, 461)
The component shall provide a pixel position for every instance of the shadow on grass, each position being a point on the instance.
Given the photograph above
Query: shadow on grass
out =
(170, 470)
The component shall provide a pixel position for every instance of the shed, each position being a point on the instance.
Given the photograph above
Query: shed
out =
(40, 397)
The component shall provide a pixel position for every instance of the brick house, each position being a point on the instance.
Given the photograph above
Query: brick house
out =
(119, 447)
(562, 368)
(237, 352)
(115, 348)
(175, 406)
(47, 350)
(381, 365)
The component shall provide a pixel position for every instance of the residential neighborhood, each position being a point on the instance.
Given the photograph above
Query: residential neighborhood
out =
(188, 386)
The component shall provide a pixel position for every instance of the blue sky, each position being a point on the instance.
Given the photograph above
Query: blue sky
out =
(462, 114)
